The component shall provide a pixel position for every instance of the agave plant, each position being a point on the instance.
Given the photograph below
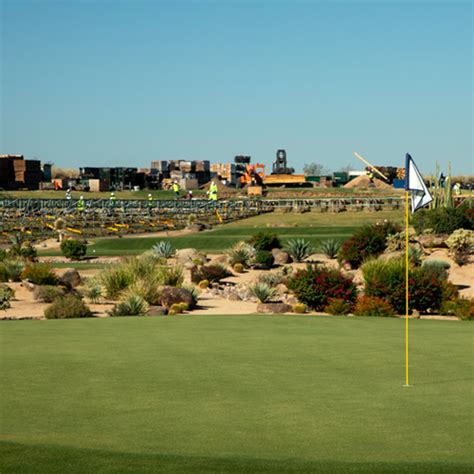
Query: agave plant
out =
(263, 292)
(242, 253)
(330, 247)
(299, 249)
(163, 249)
(133, 305)
(94, 291)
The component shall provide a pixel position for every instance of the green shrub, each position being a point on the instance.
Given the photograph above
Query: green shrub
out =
(463, 308)
(193, 290)
(265, 241)
(132, 305)
(12, 268)
(3, 255)
(264, 259)
(368, 241)
(212, 273)
(386, 279)
(337, 306)
(73, 249)
(443, 220)
(373, 306)
(68, 306)
(144, 266)
(163, 249)
(242, 253)
(170, 276)
(3, 272)
(263, 292)
(439, 268)
(315, 285)
(461, 244)
(40, 274)
(449, 291)
(414, 255)
(48, 293)
(273, 278)
(24, 250)
(146, 289)
(330, 247)
(94, 291)
(6, 294)
(299, 249)
(115, 279)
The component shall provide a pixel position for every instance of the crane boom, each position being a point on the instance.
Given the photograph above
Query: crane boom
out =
(372, 166)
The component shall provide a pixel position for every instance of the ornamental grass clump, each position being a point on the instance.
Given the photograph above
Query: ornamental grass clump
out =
(299, 249)
(115, 279)
(330, 247)
(40, 274)
(6, 294)
(463, 308)
(337, 307)
(263, 292)
(368, 241)
(438, 268)
(373, 306)
(316, 284)
(241, 253)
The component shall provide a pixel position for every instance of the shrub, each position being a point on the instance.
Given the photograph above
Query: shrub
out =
(194, 293)
(40, 274)
(386, 279)
(48, 293)
(414, 255)
(443, 220)
(212, 273)
(146, 289)
(68, 306)
(24, 250)
(94, 292)
(13, 268)
(163, 249)
(373, 306)
(265, 241)
(330, 247)
(439, 268)
(449, 291)
(3, 272)
(337, 306)
(299, 249)
(463, 308)
(242, 253)
(73, 249)
(6, 294)
(132, 305)
(368, 241)
(264, 259)
(170, 276)
(3, 255)
(115, 280)
(273, 278)
(299, 308)
(460, 244)
(316, 284)
(143, 266)
(263, 292)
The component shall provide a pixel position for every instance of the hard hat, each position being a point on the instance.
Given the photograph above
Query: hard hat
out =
(112, 194)
(149, 195)
(175, 182)
(82, 197)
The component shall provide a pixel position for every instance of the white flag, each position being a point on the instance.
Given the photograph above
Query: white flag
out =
(420, 196)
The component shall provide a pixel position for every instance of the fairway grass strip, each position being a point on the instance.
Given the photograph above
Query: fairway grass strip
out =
(235, 394)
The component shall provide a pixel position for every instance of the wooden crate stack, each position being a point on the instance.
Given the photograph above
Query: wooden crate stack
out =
(16, 172)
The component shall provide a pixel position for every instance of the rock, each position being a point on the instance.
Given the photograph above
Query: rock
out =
(281, 288)
(273, 308)
(291, 300)
(186, 255)
(234, 297)
(169, 295)
(196, 227)
(70, 278)
(281, 257)
(157, 311)
(189, 265)
(223, 259)
(432, 241)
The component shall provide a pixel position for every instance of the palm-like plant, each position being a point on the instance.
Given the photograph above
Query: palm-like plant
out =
(299, 249)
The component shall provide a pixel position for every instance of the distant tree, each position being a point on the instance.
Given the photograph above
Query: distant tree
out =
(313, 169)
(347, 168)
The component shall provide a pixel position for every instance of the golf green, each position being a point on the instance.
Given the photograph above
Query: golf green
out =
(235, 394)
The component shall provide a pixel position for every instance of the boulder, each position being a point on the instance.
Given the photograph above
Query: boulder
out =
(433, 241)
(169, 295)
(70, 278)
(281, 288)
(186, 255)
(274, 308)
(281, 257)
(157, 311)
(195, 227)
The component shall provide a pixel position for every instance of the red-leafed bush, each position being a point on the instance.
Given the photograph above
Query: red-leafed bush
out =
(368, 241)
(337, 306)
(373, 306)
(315, 285)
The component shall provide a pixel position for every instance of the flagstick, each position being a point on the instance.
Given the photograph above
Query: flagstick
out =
(406, 289)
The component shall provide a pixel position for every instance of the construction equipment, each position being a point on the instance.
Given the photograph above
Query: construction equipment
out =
(282, 175)
(253, 174)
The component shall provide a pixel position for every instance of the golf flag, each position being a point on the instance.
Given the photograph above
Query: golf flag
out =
(420, 196)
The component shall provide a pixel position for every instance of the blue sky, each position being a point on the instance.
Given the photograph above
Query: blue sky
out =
(120, 83)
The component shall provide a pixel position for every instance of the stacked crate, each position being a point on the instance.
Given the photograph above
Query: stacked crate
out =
(203, 171)
(224, 171)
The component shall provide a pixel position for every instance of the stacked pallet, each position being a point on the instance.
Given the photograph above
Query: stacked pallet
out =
(224, 171)
(16, 172)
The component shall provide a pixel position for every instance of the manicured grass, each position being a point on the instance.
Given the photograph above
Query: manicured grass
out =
(235, 394)
(80, 265)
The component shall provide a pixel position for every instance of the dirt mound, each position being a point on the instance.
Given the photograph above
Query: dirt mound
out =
(223, 191)
(364, 182)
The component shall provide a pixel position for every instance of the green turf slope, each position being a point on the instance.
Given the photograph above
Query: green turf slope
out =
(235, 394)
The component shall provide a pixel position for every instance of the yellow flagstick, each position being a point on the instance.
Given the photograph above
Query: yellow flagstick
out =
(406, 289)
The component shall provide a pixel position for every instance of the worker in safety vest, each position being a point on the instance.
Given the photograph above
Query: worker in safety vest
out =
(457, 188)
(112, 198)
(68, 195)
(175, 188)
(213, 191)
(81, 204)
(371, 175)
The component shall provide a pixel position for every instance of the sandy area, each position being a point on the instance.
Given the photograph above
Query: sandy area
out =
(25, 307)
